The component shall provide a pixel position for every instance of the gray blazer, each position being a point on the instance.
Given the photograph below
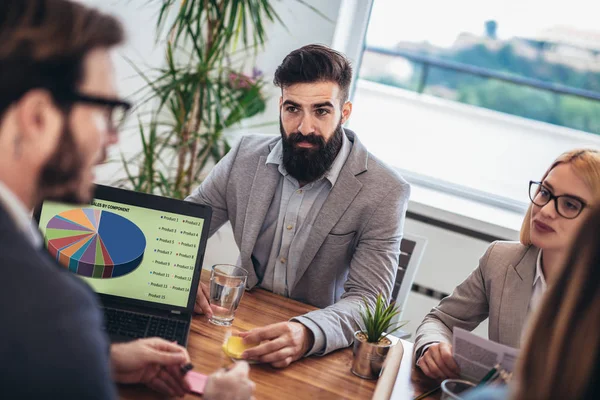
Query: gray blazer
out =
(500, 288)
(352, 252)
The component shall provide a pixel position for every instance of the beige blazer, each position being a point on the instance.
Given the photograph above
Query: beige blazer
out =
(499, 288)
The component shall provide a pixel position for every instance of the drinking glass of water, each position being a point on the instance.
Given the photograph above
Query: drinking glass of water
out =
(455, 389)
(227, 285)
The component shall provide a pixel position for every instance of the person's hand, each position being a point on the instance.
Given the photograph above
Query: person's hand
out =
(230, 385)
(280, 344)
(154, 362)
(437, 362)
(202, 305)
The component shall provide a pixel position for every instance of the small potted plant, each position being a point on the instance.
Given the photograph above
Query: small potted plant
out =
(371, 345)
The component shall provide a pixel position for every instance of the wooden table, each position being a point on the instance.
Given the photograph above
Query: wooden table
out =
(421, 384)
(326, 377)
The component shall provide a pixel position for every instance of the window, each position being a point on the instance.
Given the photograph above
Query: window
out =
(536, 60)
(477, 96)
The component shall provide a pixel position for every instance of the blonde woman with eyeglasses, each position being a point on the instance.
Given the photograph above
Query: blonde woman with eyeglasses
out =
(512, 277)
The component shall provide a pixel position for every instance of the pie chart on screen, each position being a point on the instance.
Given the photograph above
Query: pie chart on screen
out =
(95, 243)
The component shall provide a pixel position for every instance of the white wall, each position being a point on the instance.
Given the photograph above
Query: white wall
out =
(302, 26)
(139, 20)
(466, 145)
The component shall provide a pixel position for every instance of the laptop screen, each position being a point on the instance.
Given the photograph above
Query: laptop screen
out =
(126, 250)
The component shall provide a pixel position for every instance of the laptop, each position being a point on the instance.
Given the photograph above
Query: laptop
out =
(141, 253)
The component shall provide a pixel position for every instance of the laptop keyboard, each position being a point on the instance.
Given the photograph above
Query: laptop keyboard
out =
(135, 325)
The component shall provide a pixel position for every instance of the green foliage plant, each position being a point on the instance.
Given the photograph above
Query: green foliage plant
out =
(377, 320)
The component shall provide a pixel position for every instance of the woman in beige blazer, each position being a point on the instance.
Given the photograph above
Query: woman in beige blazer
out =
(512, 276)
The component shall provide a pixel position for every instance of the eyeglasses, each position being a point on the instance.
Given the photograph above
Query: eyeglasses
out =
(568, 207)
(118, 109)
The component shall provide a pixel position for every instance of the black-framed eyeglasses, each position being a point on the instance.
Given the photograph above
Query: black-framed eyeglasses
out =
(118, 109)
(566, 206)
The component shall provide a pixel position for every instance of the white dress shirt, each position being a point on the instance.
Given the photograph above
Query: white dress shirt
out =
(289, 221)
(20, 215)
(539, 285)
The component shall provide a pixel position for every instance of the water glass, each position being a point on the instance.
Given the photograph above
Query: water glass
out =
(452, 388)
(227, 285)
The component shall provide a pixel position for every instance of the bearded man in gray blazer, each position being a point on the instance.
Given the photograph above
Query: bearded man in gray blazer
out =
(315, 216)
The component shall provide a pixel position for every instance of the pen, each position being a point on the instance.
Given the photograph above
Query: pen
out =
(427, 394)
(186, 368)
(494, 378)
(488, 375)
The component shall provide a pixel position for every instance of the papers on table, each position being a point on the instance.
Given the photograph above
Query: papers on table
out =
(476, 356)
(402, 388)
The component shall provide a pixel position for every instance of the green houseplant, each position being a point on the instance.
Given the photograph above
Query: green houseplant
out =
(371, 344)
(204, 88)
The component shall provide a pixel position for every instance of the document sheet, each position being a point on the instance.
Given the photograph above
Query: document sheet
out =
(476, 356)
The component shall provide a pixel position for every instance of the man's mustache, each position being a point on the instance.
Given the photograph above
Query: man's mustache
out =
(297, 137)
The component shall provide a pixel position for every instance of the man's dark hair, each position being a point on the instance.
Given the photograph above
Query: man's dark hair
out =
(43, 44)
(315, 63)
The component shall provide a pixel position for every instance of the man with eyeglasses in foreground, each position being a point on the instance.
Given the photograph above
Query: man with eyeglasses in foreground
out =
(58, 115)
(510, 281)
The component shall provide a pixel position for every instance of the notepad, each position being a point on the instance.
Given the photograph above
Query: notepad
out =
(197, 381)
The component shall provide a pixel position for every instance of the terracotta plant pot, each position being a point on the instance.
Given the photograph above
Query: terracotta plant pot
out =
(369, 357)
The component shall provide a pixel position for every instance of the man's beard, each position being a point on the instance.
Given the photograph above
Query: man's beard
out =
(308, 165)
(61, 177)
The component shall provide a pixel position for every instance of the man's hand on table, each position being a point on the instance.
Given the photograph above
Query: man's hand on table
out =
(154, 362)
(280, 344)
(230, 385)
(437, 362)
(202, 305)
